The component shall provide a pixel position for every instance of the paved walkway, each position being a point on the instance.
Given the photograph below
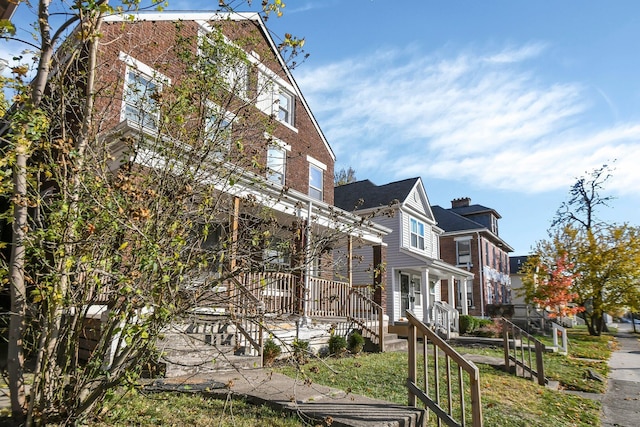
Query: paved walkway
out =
(621, 402)
(319, 402)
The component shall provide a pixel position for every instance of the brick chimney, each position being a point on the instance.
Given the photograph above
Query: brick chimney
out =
(461, 202)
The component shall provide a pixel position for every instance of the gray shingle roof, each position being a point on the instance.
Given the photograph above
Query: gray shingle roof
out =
(365, 194)
(449, 220)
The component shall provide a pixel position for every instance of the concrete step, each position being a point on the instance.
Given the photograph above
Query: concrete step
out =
(183, 354)
(393, 343)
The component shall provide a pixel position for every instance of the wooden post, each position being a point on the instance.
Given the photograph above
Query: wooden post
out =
(540, 363)
(412, 368)
(505, 344)
(234, 220)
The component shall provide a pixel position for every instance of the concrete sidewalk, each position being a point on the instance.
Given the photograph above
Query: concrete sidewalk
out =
(262, 386)
(621, 402)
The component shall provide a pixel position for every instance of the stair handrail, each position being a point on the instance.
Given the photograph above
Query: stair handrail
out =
(514, 339)
(360, 303)
(417, 329)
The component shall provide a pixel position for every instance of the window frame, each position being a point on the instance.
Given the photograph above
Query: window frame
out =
(236, 78)
(419, 238)
(276, 144)
(221, 117)
(459, 255)
(269, 90)
(159, 80)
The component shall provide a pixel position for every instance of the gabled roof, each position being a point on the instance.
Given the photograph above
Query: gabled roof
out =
(206, 16)
(365, 194)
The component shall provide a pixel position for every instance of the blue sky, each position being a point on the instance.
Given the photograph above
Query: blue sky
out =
(505, 102)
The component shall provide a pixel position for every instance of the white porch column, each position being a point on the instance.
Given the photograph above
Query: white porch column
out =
(424, 282)
(306, 320)
(452, 291)
(463, 300)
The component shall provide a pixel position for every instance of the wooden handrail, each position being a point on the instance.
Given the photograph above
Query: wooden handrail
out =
(418, 329)
(514, 338)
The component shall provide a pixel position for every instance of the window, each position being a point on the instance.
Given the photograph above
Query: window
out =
(417, 291)
(275, 97)
(276, 256)
(140, 99)
(142, 84)
(285, 107)
(315, 182)
(417, 234)
(463, 250)
(276, 161)
(221, 58)
(217, 131)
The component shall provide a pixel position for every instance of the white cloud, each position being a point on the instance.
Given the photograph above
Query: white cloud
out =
(483, 118)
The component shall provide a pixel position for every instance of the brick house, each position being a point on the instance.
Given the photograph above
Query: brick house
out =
(264, 152)
(415, 274)
(471, 241)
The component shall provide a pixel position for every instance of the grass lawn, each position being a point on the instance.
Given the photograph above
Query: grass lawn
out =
(506, 400)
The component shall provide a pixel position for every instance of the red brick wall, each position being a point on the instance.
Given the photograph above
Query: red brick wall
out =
(153, 44)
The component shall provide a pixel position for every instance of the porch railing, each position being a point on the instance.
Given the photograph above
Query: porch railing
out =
(521, 349)
(437, 395)
(276, 291)
(368, 315)
(328, 298)
(446, 317)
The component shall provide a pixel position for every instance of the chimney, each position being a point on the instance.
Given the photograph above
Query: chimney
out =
(461, 202)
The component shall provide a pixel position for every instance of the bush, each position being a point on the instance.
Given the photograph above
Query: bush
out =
(300, 350)
(356, 342)
(270, 352)
(337, 345)
(488, 329)
(467, 324)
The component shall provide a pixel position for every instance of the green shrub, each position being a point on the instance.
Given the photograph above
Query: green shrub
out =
(337, 345)
(467, 324)
(483, 323)
(300, 350)
(270, 352)
(356, 342)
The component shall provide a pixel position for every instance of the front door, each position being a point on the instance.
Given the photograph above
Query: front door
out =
(404, 294)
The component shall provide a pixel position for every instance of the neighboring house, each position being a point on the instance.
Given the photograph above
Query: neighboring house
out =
(415, 273)
(290, 168)
(471, 241)
(515, 264)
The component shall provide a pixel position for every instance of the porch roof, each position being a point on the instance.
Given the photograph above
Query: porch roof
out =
(249, 185)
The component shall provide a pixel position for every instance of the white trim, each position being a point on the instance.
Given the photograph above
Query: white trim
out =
(277, 141)
(316, 163)
(457, 239)
(144, 68)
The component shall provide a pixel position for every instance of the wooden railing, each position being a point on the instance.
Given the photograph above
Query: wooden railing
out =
(521, 349)
(368, 315)
(430, 390)
(328, 298)
(276, 291)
